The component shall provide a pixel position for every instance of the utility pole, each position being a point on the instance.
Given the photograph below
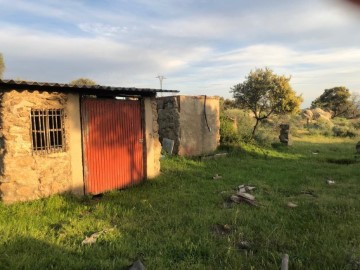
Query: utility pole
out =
(161, 78)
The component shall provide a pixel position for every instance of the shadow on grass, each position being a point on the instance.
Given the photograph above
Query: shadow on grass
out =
(30, 253)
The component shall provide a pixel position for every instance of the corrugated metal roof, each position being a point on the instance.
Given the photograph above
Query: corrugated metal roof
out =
(84, 89)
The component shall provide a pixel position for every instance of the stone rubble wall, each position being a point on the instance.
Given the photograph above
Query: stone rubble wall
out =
(26, 175)
(169, 120)
(182, 119)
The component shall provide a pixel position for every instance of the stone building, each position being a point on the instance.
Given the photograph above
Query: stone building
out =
(57, 138)
(192, 122)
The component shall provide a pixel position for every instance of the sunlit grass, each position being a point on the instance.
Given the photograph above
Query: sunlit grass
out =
(169, 222)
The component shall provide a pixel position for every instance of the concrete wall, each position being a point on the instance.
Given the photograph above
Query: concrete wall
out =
(153, 146)
(75, 144)
(24, 174)
(182, 119)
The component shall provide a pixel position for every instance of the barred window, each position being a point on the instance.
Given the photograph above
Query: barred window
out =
(47, 130)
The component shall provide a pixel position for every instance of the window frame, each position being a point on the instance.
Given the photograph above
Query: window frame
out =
(47, 131)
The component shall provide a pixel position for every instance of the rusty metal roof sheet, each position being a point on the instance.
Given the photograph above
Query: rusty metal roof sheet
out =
(84, 89)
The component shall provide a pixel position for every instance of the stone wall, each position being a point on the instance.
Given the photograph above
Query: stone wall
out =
(195, 128)
(26, 175)
(169, 119)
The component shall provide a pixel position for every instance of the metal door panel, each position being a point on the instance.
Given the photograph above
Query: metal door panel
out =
(112, 143)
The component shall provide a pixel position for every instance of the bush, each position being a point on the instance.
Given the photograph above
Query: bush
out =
(243, 123)
(338, 127)
(322, 126)
(344, 128)
(265, 136)
(355, 123)
(228, 133)
(340, 131)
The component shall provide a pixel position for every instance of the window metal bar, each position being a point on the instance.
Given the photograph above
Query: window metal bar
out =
(56, 134)
(33, 131)
(47, 130)
(62, 130)
(40, 129)
(51, 129)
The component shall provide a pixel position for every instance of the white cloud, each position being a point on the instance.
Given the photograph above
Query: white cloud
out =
(42, 56)
(102, 29)
(202, 47)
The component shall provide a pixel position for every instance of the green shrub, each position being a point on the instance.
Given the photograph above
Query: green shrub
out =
(344, 128)
(265, 136)
(321, 126)
(355, 123)
(243, 121)
(228, 133)
(341, 131)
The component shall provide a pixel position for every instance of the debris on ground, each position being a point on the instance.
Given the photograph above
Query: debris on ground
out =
(291, 205)
(137, 265)
(217, 176)
(243, 245)
(244, 188)
(243, 195)
(330, 182)
(168, 145)
(93, 238)
(222, 229)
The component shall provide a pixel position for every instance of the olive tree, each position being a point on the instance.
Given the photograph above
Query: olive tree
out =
(336, 100)
(265, 93)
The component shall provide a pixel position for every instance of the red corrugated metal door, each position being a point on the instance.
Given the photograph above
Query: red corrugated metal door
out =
(112, 143)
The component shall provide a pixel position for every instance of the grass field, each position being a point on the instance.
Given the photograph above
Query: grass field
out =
(177, 220)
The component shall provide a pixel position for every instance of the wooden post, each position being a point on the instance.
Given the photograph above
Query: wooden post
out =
(285, 262)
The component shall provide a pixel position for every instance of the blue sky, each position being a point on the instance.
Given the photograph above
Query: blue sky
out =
(201, 47)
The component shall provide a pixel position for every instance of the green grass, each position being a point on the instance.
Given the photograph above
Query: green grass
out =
(170, 222)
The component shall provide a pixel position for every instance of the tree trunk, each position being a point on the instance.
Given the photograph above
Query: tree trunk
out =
(256, 124)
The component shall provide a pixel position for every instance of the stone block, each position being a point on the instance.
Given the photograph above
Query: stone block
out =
(8, 189)
(168, 145)
(25, 191)
(285, 136)
(57, 187)
(25, 161)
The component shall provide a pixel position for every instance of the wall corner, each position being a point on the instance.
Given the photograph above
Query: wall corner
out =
(153, 146)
